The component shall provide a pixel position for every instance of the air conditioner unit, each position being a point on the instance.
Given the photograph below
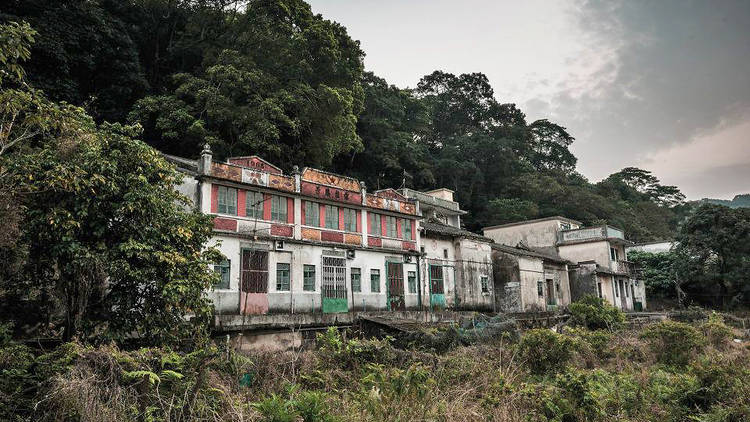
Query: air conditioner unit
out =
(279, 245)
(407, 258)
(350, 254)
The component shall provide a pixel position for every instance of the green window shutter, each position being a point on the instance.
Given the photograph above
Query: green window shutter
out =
(312, 214)
(375, 281)
(309, 278)
(254, 204)
(406, 229)
(227, 201)
(356, 279)
(282, 277)
(332, 217)
(278, 208)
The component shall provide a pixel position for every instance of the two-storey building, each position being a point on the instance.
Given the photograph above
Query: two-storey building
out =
(310, 241)
(597, 256)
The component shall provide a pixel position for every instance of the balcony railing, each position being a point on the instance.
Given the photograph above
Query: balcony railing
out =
(624, 267)
(429, 199)
(589, 233)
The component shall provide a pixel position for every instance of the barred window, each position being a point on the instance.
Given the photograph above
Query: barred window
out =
(484, 284)
(227, 201)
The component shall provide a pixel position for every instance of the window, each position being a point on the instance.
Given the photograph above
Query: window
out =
(350, 220)
(356, 280)
(614, 284)
(445, 253)
(375, 224)
(375, 281)
(309, 278)
(254, 204)
(312, 214)
(613, 254)
(599, 289)
(483, 282)
(436, 279)
(627, 292)
(390, 227)
(406, 229)
(332, 217)
(282, 277)
(278, 208)
(540, 288)
(411, 276)
(227, 200)
(421, 249)
(223, 270)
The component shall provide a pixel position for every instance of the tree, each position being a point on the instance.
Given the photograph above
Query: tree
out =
(549, 149)
(658, 271)
(507, 210)
(713, 254)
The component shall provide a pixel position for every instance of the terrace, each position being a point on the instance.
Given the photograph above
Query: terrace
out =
(587, 234)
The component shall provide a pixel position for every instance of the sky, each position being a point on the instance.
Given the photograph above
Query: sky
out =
(661, 85)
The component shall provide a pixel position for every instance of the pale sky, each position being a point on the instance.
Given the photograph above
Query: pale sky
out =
(662, 85)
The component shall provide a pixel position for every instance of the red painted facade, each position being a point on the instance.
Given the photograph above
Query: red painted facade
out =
(327, 236)
(225, 224)
(281, 230)
(330, 193)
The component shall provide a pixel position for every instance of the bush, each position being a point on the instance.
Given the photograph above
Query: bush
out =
(596, 314)
(716, 332)
(597, 341)
(673, 343)
(545, 351)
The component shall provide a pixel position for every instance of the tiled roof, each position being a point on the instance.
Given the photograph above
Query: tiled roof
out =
(433, 226)
(182, 163)
(528, 251)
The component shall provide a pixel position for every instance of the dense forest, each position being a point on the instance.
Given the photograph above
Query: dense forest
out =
(269, 77)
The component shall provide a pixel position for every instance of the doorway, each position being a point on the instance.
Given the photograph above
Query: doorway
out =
(254, 282)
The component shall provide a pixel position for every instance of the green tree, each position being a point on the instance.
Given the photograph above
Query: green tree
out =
(713, 255)
(507, 210)
(658, 271)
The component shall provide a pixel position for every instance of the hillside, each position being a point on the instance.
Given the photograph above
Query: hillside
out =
(739, 201)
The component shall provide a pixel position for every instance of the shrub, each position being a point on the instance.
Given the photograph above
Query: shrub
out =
(597, 341)
(545, 351)
(716, 332)
(596, 314)
(673, 342)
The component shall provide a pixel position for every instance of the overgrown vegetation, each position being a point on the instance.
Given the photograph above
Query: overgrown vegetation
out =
(579, 375)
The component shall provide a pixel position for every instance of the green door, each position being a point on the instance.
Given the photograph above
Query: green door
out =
(437, 287)
(333, 285)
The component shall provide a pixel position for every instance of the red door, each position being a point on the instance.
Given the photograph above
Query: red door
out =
(254, 285)
(395, 276)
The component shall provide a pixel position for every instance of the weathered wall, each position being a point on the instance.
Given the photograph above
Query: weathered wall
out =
(507, 282)
(540, 233)
(587, 251)
(582, 282)
(473, 262)
(559, 274)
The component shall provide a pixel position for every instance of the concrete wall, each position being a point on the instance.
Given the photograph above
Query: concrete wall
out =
(517, 278)
(226, 301)
(473, 262)
(657, 247)
(587, 251)
(535, 234)
(583, 281)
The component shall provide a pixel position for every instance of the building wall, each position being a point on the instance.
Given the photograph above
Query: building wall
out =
(535, 234)
(297, 300)
(587, 251)
(653, 247)
(473, 262)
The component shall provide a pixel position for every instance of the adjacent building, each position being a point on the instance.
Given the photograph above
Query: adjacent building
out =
(597, 257)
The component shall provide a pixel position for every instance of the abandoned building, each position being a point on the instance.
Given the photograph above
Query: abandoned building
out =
(317, 243)
(457, 263)
(597, 258)
(529, 280)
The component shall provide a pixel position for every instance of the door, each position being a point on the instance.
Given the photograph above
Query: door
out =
(551, 293)
(395, 275)
(623, 300)
(437, 286)
(254, 282)
(333, 285)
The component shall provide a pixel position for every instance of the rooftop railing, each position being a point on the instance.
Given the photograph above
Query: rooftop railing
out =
(431, 200)
(589, 233)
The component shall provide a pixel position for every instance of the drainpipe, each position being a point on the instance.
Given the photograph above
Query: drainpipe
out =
(419, 285)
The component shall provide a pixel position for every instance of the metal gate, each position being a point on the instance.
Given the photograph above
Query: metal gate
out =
(334, 285)
(437, 286)
(254, 282)
(395, 275)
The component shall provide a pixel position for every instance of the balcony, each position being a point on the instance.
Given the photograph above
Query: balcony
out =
(590, 233)
(624, 267)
